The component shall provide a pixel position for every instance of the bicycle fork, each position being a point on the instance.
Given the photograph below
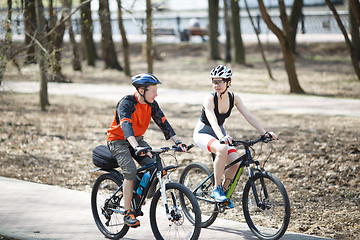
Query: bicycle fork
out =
(260, 204)
(163, 183)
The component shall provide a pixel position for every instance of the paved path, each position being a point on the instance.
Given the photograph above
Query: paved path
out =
(37, 211)
(300, 104)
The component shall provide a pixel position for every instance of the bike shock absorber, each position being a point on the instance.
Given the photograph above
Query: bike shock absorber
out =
(163, 196)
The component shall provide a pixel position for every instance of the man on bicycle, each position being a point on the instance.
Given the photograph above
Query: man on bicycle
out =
(125, 136)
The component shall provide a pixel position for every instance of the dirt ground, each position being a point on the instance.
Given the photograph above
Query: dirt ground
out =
(317, 156)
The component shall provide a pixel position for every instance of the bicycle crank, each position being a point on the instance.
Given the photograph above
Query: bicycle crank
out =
(220, 207)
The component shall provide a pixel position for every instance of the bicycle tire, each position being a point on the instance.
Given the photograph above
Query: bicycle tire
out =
(109, 222)
(191, 177)
(179, 227)
(270, 221)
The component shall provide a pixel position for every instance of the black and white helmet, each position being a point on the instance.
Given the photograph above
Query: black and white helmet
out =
(221, 71)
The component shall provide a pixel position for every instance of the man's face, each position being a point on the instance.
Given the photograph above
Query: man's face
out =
(151, 93)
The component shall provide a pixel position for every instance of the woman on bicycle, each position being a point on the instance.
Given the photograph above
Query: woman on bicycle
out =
(209, 132)
(125, 136)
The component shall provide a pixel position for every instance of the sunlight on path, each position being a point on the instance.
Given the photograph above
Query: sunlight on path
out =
(297, 104)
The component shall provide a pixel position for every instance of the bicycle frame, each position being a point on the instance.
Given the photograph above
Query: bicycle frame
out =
(156, 175)
(245, 161)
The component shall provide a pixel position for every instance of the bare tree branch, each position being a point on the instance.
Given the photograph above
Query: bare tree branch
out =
(36, 41)
(33, 39)
(67, 18)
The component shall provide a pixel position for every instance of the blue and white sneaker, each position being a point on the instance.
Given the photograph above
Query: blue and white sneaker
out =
(218, 194)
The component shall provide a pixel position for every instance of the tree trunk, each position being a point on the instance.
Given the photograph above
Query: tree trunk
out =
(238, 45)
(125, 42)
(354, 32)
(290, 66)
(29, 27)
(227, 31)
(259, 42)
(5, 48)
(347, 40)
(107, 44)
(355, 7)
(41, 54)
(58, 37)
(284, 39)
(213, 29)
(296, 14)
(87, 40)
(76, 58)
(55, 40)
(149, 44)
(52, 17)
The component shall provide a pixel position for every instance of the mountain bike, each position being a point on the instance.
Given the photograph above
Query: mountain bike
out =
(167, 218)
(265, 202)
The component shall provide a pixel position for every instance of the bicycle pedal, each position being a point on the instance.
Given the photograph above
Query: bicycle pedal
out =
(139, 213)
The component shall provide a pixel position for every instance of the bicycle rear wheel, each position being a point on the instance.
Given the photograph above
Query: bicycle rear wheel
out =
(178, 226)
(107, 207)
(193, 177)
(269, 220)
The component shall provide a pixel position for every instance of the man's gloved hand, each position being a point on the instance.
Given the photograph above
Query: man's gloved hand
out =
(141, 151)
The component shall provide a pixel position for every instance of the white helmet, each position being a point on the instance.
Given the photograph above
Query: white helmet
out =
(221, 71)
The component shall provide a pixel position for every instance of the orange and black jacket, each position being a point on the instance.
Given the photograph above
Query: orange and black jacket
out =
(133, 118)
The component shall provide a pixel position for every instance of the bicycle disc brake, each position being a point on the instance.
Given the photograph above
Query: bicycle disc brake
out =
(176, 218)
(266, 204)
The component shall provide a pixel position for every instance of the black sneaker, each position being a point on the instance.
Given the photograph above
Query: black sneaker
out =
(130, 220)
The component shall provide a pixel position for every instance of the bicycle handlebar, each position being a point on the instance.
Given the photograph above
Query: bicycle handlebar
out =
(174, 147)
(249, 143)
(143, 150)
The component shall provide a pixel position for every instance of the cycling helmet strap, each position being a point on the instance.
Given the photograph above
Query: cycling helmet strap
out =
(227, 86)
(143, 95)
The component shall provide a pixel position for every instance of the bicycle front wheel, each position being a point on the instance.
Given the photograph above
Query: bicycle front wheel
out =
(107, 206)
(269, 218)
(174, 224)
(193, 177)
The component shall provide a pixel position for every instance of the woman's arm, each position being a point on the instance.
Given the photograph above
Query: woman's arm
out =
(248, 115)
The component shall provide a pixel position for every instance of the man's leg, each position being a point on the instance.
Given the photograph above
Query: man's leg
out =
(120, 150)
(128, 193)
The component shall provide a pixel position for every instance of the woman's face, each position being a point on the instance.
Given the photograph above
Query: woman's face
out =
(219, 84)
